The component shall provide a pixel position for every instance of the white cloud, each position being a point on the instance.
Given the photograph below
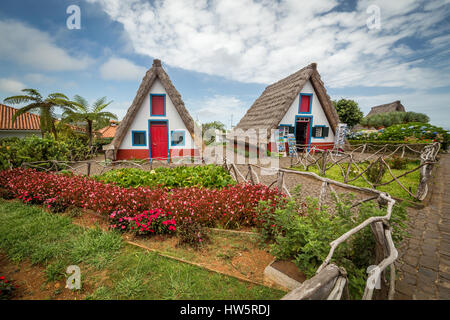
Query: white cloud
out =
(11, 86)
(119, 108)
(263, 41)
(27, 46)
(218, 108)
(39, 78)
(121, 69)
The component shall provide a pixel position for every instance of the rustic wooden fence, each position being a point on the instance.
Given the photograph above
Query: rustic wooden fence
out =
(363, 156)
(330, 281)
(101, 166)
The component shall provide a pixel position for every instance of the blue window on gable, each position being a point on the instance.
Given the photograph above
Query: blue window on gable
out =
(177, 138)
(138, 138)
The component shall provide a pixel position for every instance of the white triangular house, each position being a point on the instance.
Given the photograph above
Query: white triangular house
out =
(298, 104)
(157, 124)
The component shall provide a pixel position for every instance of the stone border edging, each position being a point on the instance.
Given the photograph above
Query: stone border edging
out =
(202, 266)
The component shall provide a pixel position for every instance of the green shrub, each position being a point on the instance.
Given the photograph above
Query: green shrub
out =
(302, 232)
(191, 233)
(209, 176)
(78, 149)
(410, 133)
(382, 142)
(6, 194)
(376, 172)
(397, 163)
(391, 118)
(98, 143)
(15, 151)
(416, 132)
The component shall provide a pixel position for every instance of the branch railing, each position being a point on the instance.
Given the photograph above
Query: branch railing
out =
(106, 165)
(360, 156)
(330, 281)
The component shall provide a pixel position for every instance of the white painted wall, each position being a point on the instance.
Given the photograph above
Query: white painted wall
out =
(19, 133)
(140, 122)
(319, 117)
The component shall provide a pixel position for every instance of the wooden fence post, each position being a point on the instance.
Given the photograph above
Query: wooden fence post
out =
(280, 180)
(324, 161)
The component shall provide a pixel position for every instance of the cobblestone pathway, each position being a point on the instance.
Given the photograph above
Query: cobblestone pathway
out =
(424, 258)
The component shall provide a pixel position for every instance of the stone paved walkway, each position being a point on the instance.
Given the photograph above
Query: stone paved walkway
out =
(424, 258)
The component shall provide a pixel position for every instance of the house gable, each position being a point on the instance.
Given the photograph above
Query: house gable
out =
(269, 109)
(316, 113)
(156, 81)
(143, 115)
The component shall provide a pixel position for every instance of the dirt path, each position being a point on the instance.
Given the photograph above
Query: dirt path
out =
(424, 259)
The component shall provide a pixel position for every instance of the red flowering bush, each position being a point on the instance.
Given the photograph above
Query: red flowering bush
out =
(7, 288)
(154, 221)
(119, 220)
(230, 207)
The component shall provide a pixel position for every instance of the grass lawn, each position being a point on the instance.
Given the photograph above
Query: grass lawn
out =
(409, 181)
(110, 268)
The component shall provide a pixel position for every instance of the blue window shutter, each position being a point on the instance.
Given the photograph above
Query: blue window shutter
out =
(325, 131)
(314, 132)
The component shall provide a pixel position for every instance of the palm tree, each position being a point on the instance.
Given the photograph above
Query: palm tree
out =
(45, 107)
(89, 115)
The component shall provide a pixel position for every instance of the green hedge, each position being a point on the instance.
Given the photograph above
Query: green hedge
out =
(15, 151)
(381, 142)
(410, 133)
(391, 118)
(209, 176)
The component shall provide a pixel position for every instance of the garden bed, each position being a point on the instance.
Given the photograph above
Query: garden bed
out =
(238, 254)
(31, 282)
(111, 269)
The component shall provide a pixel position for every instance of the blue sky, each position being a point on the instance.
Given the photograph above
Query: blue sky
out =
(222, 54)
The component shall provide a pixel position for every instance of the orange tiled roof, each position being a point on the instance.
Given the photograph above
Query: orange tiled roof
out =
(26, 121)
(108, 132)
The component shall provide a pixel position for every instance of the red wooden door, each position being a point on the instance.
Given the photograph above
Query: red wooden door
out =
(158, 140)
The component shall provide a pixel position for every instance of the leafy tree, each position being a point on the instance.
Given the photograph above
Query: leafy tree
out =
(45, 107)
(82, 112)
(212, 125)
(348, 111)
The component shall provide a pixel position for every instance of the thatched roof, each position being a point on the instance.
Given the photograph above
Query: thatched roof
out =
(268, 110)
(388, 107)
(155, 72)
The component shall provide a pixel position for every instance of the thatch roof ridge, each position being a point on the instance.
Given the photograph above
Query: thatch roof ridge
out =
(387, 107)
(156, 71)
(325, 100)
(271, 106)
